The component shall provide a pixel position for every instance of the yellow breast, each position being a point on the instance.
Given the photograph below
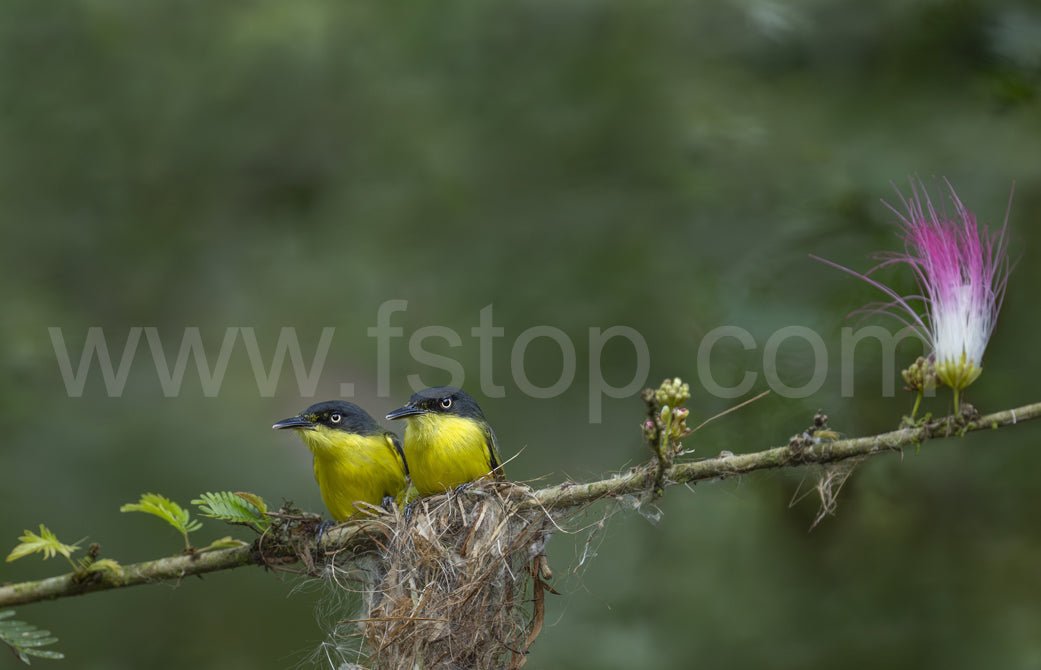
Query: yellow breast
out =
(352, 467)
(444, 451)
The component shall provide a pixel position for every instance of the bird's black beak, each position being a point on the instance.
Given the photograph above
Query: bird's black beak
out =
(294, 422)
(406, 411)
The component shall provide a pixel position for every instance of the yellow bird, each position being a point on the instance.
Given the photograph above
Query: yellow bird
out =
(354, 457)
(448, 442)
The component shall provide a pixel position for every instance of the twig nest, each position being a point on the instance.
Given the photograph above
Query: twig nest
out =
(451, 589)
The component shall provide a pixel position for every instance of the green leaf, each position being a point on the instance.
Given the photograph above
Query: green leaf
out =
(45, 542)
(25, 638)
(225, 542)
(165, 509)
(240, 508)
(253, 499)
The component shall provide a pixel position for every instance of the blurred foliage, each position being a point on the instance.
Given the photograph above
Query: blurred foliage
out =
(663, 165)
(25, 639)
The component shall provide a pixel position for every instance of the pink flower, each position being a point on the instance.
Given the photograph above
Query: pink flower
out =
(962, 271)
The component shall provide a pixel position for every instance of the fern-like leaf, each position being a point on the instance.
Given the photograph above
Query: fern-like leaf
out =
(26, 639)
(46, 542)
(246, 509)
(167, 510)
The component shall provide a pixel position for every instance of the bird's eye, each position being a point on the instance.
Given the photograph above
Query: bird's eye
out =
(446, 403)
(335, 417)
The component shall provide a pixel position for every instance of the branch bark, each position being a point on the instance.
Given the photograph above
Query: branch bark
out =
(360, 534)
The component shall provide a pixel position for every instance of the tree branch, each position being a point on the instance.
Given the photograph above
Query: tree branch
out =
(362, 534)
(571, 494)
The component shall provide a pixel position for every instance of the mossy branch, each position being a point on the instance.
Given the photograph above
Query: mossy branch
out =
(149, 572)
(274, 551)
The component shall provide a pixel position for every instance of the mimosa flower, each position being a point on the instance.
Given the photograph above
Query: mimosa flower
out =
(961, 270)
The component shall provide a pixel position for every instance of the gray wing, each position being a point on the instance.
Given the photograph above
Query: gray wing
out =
(494, 460)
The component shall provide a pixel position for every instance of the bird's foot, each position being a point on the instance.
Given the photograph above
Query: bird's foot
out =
(321, 529)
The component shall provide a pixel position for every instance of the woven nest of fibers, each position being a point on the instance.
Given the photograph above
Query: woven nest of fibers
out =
(459, 582)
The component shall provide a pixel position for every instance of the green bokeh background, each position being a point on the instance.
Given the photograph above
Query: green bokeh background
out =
(662, 165)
